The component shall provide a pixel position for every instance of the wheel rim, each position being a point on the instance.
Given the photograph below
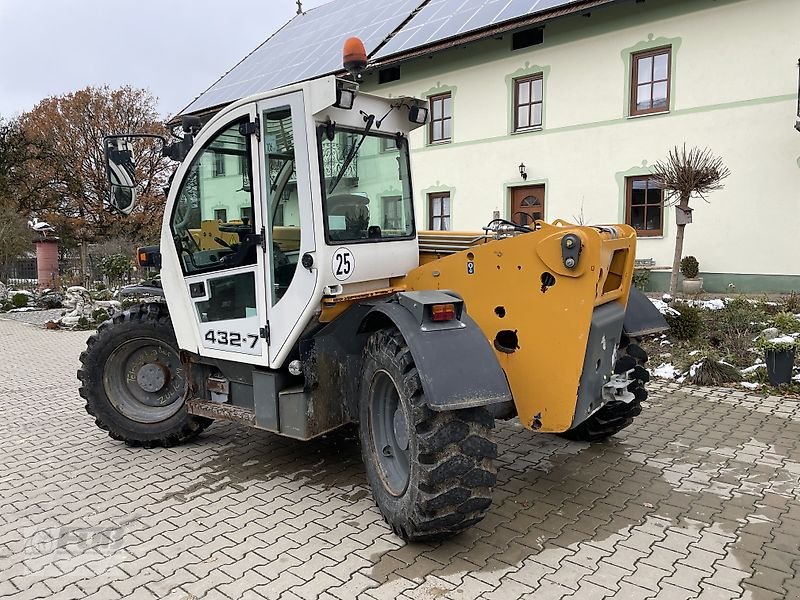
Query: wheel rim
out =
(389, 425)
(144, 380)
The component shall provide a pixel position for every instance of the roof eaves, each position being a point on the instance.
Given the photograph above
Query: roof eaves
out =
(487, 32)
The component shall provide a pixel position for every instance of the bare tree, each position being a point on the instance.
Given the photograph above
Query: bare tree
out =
(686, 174)
(65, 160)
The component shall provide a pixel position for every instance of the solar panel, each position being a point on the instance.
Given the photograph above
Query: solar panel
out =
(308, 46)
(443, 19)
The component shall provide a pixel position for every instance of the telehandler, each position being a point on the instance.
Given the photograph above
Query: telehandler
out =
(297, 296)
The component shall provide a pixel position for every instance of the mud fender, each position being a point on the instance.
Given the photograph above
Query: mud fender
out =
(456, 365)
(642, 317)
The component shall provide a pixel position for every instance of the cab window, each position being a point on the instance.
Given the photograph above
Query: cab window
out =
(366, 186)
(216, 189)
(283, 209)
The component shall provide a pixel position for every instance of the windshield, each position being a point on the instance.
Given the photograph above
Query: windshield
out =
(366, 186)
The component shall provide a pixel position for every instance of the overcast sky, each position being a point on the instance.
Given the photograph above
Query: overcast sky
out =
(175, 48)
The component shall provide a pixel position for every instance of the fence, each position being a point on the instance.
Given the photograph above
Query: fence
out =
(21, 273)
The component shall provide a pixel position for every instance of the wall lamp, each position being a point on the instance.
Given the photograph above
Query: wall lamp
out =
(523, 172)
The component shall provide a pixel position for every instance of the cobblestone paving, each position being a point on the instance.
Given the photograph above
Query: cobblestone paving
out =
(35, 317)
(698, 499)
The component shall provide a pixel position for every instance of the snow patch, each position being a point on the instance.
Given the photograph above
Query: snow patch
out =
(663, 308)
(749, 385)
(665, 371)
(713, 304)
(753, 368)
(694, 368)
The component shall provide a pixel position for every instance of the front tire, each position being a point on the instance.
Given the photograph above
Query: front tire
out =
(616, 416)
(431, 473)
(133, 381)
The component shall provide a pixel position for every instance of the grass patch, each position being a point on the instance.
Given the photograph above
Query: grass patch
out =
(711, 347)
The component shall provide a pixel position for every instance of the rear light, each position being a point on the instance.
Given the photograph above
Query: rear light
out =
(443, 312)
(148, 256)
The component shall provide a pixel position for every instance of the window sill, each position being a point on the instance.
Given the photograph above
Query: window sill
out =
(441, 142)
(650, 237)
(649, 114)
(527, 130)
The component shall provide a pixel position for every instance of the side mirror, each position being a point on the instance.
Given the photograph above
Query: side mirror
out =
(121, 153)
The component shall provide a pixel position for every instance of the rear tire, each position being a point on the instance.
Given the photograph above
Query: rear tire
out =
(616, 416)
(431, 473)
(133, 381)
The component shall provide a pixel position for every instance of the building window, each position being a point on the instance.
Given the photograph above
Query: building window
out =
(644, 206)
(439, 211)
(219, 164)
(388, 144)
(243, 165)
(221, 214)
(528, 102)
(392, 212)
(441, 125)
(245, 213)
(650, 81)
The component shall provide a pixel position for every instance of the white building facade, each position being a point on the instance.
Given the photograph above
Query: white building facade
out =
(564, 120)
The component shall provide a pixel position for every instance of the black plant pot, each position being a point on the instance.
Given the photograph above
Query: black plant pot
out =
(779, 365)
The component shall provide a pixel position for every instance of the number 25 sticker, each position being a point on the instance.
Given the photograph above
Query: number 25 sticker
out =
(344, 263)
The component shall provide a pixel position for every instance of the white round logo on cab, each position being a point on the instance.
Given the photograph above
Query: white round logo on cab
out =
(344, 263)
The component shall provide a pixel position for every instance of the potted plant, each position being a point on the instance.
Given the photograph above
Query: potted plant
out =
(779, 354)
(692, 284)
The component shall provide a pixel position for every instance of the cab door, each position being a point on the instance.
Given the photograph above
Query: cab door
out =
(288, 220)
(216, 226)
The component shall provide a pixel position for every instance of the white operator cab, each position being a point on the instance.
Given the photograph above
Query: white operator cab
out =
(283, 200)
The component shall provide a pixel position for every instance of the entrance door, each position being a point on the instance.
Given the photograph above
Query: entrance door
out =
(288, 220)
(527, 204)
(214, 225)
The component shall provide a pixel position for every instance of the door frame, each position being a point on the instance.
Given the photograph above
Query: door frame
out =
(286, 313)
(509, 200)
(188, 328)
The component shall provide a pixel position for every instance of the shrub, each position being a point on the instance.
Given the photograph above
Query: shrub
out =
(714, 372)
(771, 308)
(733, 329)
(115, 266)
(786, 322)
(792, 303)
(99, 315)
(20, 300)
(50, 300)
(102, 295)
(778, 344)
(760, 375)
(640, 278)
(685, 325)
(689, 267)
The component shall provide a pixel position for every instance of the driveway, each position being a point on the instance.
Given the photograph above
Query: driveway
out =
(699, 498)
